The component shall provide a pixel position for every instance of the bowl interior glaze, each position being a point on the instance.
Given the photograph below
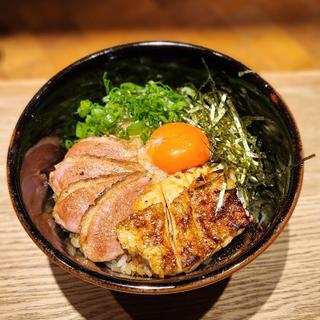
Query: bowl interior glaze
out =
(51, 111)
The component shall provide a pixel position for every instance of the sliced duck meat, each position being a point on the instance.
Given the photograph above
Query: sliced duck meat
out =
(71, 170)
(49, 229)
(34, 190)
(42, 156)
(74, 201)
(146, 233)
(37, 163)
(107, 147)
(98, 238)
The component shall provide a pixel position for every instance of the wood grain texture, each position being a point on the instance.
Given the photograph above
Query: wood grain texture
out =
(39, 38)
(282, 283)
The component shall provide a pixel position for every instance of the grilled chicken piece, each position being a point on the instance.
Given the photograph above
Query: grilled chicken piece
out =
(71, 170)
(74, 201)
(108, 147)
(190, 249)
(202, 217)
(200, 225)
(98, 238)
(217, 226)
(146, 233)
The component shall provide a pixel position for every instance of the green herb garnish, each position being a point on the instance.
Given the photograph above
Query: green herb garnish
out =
(129, 110)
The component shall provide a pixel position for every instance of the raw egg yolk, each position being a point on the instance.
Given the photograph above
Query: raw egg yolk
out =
(178, 146)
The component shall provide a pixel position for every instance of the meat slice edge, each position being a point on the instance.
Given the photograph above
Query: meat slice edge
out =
(106, 146)
(74, 201)
(71, 170)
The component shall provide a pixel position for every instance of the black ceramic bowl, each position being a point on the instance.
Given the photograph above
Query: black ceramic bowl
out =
(51, 112)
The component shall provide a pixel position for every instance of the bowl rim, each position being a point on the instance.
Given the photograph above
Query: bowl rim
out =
(147, 287)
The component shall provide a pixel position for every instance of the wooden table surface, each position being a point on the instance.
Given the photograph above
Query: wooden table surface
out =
(282, 283)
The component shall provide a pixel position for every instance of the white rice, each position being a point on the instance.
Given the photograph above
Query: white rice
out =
(130, 265)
